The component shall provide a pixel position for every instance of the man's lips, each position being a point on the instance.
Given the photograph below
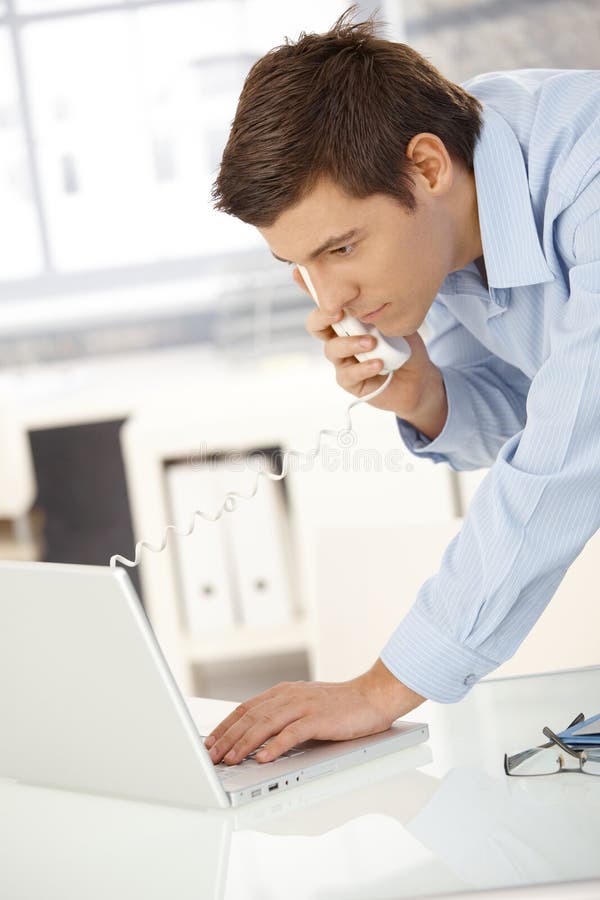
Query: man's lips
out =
(372, 315)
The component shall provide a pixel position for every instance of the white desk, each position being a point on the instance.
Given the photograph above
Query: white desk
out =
(433, 819)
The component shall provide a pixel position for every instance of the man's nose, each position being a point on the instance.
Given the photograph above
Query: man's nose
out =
(334, 296)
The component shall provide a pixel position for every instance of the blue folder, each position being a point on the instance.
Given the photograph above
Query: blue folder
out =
(584, 734)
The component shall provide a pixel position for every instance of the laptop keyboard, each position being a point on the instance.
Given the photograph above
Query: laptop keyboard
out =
(224, 771)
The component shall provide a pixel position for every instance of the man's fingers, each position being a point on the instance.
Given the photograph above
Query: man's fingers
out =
(224, 726)
(270, 724)
(353, 377)
(295, 733)
(341, 349)
(319, 325)
(239, 712)
(247, 732)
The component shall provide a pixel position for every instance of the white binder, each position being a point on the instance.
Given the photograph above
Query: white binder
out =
(205, 571)
(260, 550)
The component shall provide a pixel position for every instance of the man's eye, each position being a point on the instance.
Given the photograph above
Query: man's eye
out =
(343, 251)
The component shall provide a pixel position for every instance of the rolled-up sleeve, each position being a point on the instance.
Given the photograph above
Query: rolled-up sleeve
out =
(532, 515)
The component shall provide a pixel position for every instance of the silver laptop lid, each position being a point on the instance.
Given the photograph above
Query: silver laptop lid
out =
(72, 639)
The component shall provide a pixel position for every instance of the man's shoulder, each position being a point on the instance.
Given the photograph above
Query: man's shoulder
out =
(553, 99)
(555, 116)
(533, 83)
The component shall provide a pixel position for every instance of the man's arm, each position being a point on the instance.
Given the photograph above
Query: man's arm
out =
(530, 518)
(429, 418)
(483, 399)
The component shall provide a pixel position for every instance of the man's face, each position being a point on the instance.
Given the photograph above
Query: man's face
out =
(369, 257)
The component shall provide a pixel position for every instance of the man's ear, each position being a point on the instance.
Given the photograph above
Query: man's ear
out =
(430, 159)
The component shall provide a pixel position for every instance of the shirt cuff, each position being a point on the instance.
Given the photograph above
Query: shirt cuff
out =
(431, 663)
(458, 429)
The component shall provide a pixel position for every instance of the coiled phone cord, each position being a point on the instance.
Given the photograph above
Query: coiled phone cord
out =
(231, 499)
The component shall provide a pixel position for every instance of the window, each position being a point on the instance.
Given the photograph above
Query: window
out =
(128, 109)
(20, 254)
(48, 6)
(113, 117)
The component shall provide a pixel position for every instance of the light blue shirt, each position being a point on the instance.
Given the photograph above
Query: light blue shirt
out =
(521, 366)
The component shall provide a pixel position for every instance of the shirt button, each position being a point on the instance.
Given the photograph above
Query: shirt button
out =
(470, 679)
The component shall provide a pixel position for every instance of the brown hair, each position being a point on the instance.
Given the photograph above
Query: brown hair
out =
(344, 105)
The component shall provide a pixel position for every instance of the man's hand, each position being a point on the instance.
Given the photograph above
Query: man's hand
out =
(416, 392)
(292, 712)
(408, 391)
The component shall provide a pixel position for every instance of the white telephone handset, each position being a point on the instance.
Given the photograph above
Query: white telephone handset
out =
(393, 351)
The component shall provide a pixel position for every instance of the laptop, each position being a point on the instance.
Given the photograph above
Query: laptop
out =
(88, 703)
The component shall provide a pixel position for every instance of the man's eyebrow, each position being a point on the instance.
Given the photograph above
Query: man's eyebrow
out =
(326, 245)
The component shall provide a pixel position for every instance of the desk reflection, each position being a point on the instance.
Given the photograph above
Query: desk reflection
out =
(68, 846)
(387, 829)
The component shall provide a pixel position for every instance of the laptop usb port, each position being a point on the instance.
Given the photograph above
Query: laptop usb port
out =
(274, 786)
(255, 793)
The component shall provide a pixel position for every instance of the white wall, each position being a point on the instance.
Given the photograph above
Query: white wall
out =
(367, 580)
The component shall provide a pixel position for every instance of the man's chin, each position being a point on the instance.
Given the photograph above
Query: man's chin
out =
(392, 331)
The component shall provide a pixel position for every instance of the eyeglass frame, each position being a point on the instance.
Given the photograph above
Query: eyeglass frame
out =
(580, 755)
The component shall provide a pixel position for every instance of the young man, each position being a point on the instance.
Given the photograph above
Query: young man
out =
(408, 196)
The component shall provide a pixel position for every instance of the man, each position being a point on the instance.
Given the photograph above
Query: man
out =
(408, 196)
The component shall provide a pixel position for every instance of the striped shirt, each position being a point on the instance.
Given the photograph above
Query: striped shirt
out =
(521, 366)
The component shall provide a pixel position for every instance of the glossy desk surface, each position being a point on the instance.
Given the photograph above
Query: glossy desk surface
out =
(435, 819)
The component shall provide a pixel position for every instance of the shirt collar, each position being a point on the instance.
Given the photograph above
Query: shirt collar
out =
(511, 246)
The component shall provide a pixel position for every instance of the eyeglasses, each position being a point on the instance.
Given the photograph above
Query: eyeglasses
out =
(550, 758)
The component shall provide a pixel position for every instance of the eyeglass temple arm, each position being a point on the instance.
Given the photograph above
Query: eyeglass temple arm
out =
(576, 721)
(556, 740)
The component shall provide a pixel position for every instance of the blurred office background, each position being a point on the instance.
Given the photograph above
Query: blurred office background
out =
(144, 337)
